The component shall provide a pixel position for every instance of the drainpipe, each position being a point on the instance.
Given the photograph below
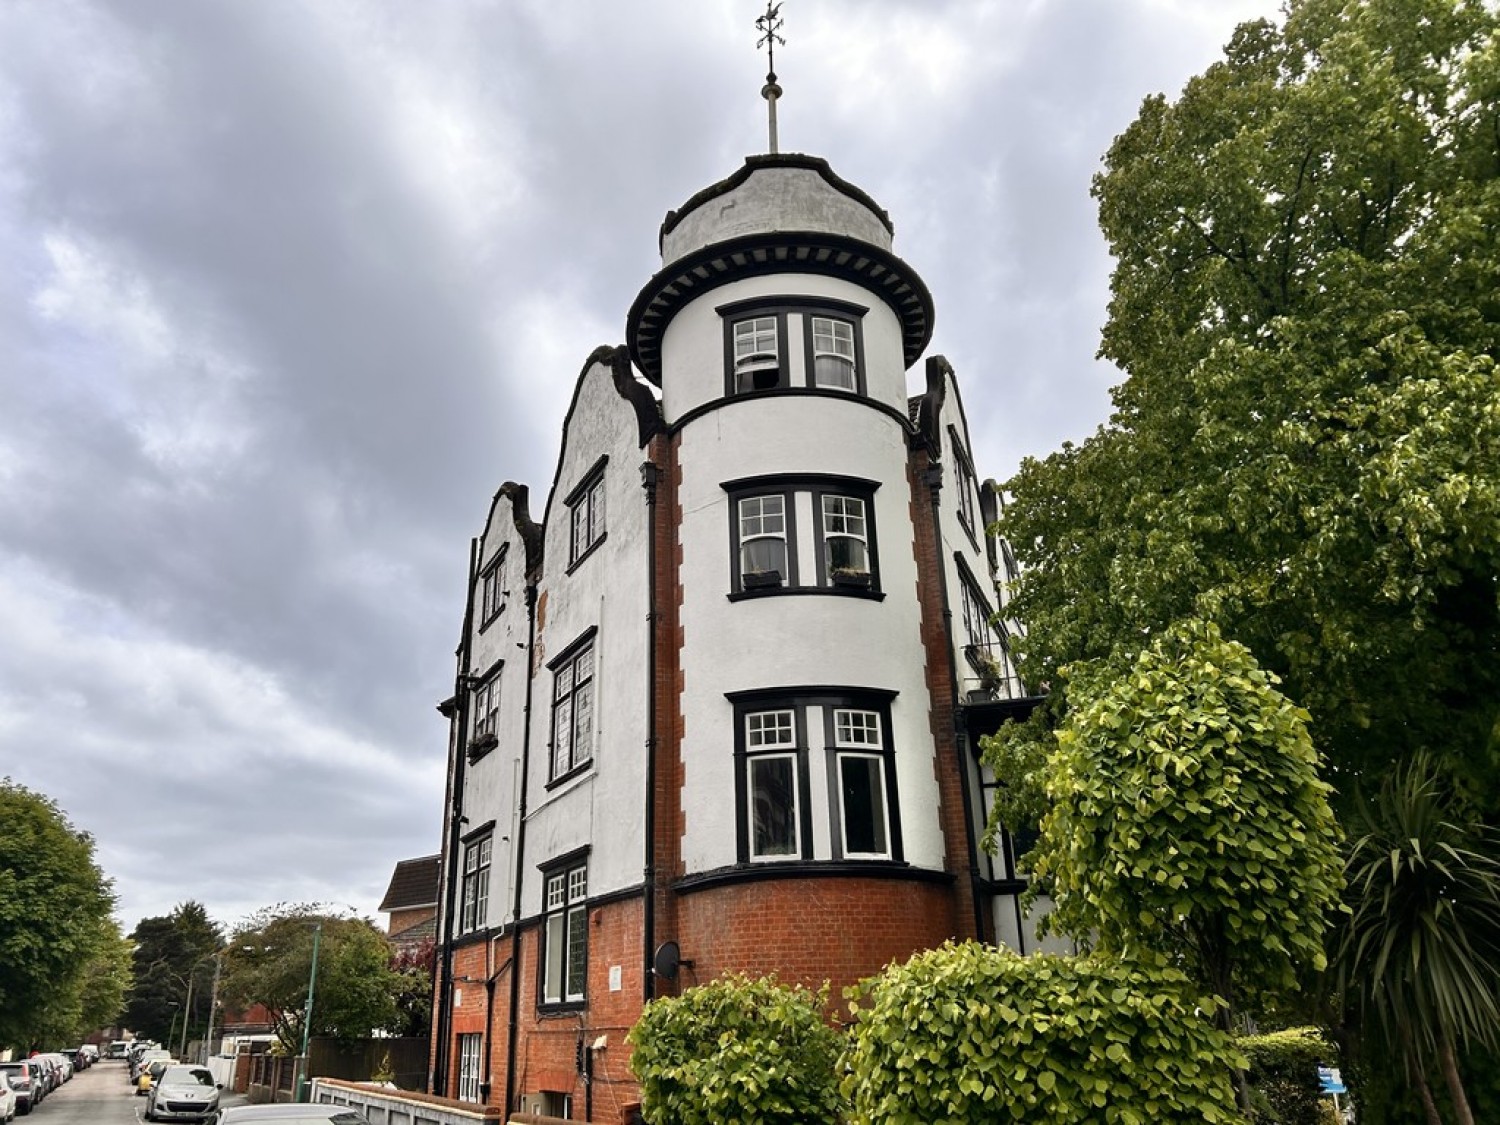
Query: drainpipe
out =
(649, 475)
(455, 814)
(515, 919)
(934, 480)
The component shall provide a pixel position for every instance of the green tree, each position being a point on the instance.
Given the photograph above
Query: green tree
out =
(106, 981)
(1421, 950)
(1188, 821)
(55, 914)
(1306, 449)
(173, 951)
(414, 995)
(736, 1049)
(971, 1034)
(270, 961)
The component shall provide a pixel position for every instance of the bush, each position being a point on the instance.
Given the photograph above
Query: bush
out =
(737, 1050)
(1284, 1069)
(968, 1034)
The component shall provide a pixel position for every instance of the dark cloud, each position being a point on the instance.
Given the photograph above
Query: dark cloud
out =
(288, 290)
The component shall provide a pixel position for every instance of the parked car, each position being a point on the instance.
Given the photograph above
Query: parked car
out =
(20, 1079)
(64, 1064)
(145, 1058)
(183, 1093)
(286, 1113)
(10, 1102)
(46, 1074)
(118, 1048)
(92, 1051)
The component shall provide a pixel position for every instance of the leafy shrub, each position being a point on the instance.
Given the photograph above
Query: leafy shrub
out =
(968, 1034)
(737, 1050)
(1284, 1069)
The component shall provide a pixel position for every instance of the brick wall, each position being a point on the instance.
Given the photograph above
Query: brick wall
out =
(806, 930)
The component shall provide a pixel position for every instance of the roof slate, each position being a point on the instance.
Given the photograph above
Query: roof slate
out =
(414, 883)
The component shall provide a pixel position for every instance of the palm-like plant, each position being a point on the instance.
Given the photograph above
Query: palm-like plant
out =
(1421, 947)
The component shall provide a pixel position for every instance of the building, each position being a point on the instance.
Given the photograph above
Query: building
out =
(410, 903)
(717, 704)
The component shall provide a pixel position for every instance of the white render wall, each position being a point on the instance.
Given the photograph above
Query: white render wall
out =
(602, 807)
(693, 344)
(793, 640)
(775, 199)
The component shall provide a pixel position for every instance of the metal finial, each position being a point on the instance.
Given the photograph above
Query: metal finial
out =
(768, 25)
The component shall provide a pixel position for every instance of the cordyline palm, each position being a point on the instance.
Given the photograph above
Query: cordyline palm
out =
(1421, 949)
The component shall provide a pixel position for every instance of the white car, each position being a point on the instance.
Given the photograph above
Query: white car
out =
(8, 1101)
(183, 1093)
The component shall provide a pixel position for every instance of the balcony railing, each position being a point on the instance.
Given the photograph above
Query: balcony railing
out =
(987, 672)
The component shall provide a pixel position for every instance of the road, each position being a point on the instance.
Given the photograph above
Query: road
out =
(99, 1095)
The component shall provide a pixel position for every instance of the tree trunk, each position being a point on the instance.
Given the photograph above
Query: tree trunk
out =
(1418, 1075)
(1455, 1083)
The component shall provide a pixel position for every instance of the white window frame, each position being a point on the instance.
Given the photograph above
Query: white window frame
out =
(470, 1065)
(474, 898)
(754, 527)
(771, 739)
(847, 519)
(487, 708)
(833, 339)
(750, 334)
(565, 935)
(573, 712)
(859, 737)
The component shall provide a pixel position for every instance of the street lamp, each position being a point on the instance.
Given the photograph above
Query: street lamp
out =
(172, 1028)
(312, 981)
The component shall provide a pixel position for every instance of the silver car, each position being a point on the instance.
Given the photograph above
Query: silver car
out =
(183, 1093)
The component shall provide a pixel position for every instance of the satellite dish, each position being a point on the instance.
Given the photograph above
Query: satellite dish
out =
(667, 960)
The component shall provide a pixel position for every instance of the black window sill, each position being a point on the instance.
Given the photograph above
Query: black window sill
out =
(563, 779)
(554, 1008)
(491, 619)
(589, 550)
(804, 591)
(482, 746)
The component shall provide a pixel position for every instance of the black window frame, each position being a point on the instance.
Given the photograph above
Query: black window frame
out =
(884, 752)
(587, 499)
(484, 713)
(570, 658)
(745, 758)
(782, 308)
(492, 593)
(966, 484)
(563, 868)
(816, 487)
(829, 700)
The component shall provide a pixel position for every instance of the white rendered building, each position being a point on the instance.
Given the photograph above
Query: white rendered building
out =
(716, 704)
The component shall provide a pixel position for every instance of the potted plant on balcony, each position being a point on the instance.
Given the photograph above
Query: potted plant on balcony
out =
(760, 579)
(991, 674)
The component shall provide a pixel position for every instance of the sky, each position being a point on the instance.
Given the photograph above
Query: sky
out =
(288, 289)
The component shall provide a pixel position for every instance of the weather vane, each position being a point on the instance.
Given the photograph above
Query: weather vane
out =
(768, 25)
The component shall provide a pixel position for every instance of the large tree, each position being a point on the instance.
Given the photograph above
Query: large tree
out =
(270, 962)
(1306, 448)
(173, 958)
(55, 917)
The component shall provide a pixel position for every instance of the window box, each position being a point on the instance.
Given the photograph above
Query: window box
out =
(761, 579)
(482, 745)
(846, 576)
